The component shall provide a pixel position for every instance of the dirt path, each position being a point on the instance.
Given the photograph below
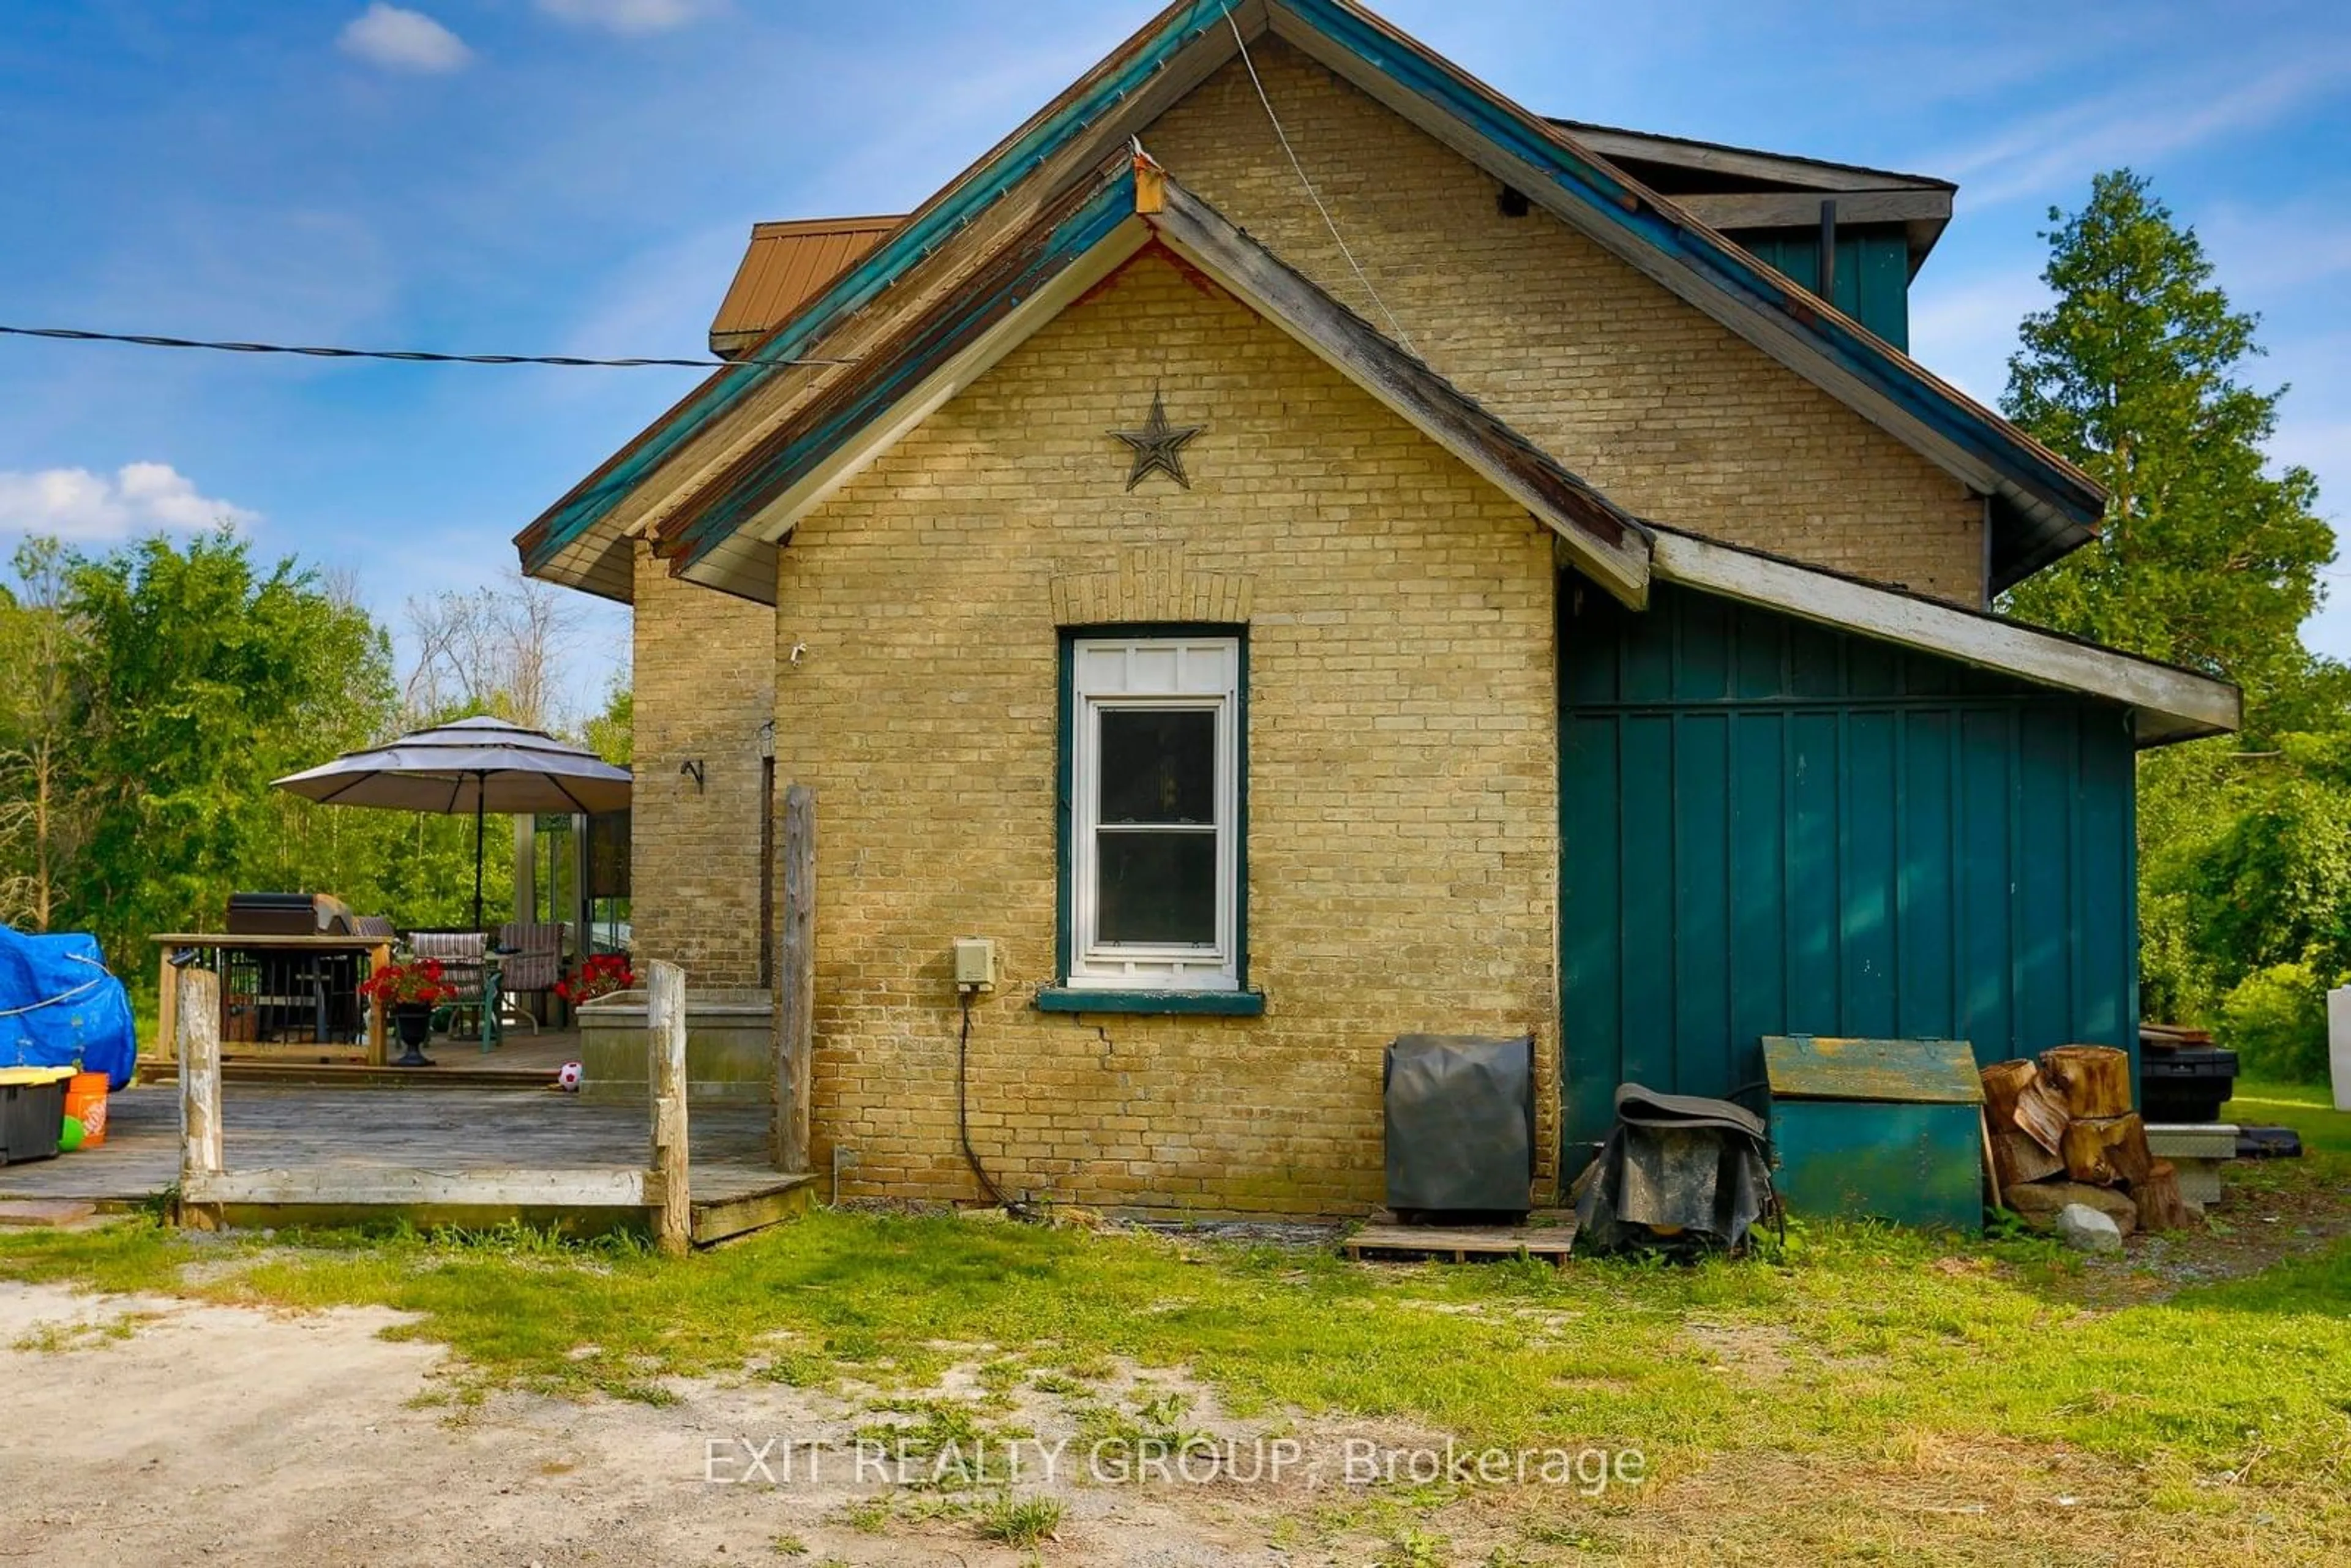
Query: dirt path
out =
(151, 1429)
(156, 1430)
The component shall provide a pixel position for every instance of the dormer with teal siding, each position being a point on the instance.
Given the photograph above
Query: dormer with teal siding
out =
(1789, 211)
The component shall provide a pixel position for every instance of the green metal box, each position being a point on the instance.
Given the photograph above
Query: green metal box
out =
(1891, 1129)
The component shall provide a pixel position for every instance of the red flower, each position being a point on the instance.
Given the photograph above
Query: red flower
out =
(598, 976)
(400, 985)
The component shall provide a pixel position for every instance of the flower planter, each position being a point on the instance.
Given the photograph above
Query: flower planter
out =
(726, 1040)
(412, 1023)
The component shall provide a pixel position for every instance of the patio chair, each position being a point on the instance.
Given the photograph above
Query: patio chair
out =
(463, 956)
(533, 964)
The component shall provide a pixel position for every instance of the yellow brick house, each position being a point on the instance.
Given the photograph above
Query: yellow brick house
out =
(1294, 549)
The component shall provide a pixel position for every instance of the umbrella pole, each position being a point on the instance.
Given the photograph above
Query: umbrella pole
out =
(481, 783)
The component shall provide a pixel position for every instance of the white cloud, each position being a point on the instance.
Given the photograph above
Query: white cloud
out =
(75, 504)
(2134, 126)
(404, 40)
(627, 15)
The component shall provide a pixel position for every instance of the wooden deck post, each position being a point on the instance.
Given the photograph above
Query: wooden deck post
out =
(379, 960)
(795, 1037)
(665, 1072)
(197, 1018)
(167, 1004)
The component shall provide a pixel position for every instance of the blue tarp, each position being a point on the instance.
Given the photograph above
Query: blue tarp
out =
(60, 1008)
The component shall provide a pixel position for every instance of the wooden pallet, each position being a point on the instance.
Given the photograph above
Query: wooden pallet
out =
(1462, 1242)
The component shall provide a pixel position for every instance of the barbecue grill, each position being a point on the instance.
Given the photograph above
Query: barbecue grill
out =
(289, 997)
(287, 915)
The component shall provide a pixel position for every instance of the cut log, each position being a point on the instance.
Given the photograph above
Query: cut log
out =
(2003, 1083)
(2037, 1203)
(2040, 1116)
(2017, 1099)
(2018, 1159)
(2160, 1206)
(2093, 1081)
(2106, 1151)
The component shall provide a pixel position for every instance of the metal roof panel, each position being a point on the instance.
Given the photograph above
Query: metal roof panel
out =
(784, 266)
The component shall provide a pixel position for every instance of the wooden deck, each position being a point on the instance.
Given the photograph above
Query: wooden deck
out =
(452, 1130)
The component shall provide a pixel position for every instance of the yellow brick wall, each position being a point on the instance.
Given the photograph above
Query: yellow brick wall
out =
(1643, 395)
(705, 680)
(1402, 828)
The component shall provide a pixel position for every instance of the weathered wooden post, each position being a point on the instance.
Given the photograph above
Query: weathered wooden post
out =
(196, 1017)
(665, 1072)
(795, 1037)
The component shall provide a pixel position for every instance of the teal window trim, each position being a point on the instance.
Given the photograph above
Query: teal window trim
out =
(1222, 1004)
(1241, 1001)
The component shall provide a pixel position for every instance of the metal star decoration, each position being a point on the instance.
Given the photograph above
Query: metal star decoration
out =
(1158, 445)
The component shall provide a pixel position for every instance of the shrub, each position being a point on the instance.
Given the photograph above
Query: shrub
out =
(2276, 1020)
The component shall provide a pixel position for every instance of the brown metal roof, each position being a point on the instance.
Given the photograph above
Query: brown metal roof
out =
(786, 264)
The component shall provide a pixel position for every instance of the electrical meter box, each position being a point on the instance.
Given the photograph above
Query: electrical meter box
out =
(975, 964)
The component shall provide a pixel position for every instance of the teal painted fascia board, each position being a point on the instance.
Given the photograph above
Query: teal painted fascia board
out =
(1220, 1004)
(1596, 190)
(1100, 216)
(921, 235)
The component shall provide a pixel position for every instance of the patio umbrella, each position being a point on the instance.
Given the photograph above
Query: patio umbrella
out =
(477, 765)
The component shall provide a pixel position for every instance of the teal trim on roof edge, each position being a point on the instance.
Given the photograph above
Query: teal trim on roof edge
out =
(922, 233)
(1591, 186)
(1985, 437)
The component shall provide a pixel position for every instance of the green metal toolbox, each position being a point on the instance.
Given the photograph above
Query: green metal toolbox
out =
(1891, 1129)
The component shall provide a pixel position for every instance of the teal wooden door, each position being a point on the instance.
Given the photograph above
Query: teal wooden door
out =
(1769, 828)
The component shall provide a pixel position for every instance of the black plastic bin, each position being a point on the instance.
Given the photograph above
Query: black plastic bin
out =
(31, 1116)
(2189, 1084)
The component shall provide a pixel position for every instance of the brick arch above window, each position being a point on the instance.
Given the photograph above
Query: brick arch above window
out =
(1151, 584)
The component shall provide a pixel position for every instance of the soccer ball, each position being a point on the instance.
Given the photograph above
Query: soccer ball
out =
(567, 1078)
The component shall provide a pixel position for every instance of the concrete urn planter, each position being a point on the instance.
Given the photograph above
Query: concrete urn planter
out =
(726, 1041)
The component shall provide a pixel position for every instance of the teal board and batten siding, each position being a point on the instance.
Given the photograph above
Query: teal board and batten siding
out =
(1873, 272)
(1767, 827)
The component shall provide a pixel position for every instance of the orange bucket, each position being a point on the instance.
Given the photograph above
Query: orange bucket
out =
(86, 1098)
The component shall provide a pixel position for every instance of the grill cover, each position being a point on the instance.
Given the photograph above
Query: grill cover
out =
(1461, 1122)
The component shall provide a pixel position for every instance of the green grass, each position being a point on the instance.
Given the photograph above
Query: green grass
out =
(1876, 1335)
(1021, 1520)
(1854, 1347)
(2308, 1109)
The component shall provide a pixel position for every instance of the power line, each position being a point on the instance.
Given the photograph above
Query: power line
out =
(405, 356)
(1312, 194)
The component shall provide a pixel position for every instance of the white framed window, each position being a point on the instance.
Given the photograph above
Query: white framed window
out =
(1154, 819)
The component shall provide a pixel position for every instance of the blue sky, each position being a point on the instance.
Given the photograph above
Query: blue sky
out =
(578, 176)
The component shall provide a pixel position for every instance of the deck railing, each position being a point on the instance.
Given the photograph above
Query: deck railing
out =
(662, 1185)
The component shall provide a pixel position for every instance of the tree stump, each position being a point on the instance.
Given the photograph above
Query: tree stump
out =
(2157, 1195)
(2092, 1082)
(2106, 1151)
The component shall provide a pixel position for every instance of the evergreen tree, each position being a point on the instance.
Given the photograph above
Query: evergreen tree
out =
(2135, 373)
(2206, 559)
